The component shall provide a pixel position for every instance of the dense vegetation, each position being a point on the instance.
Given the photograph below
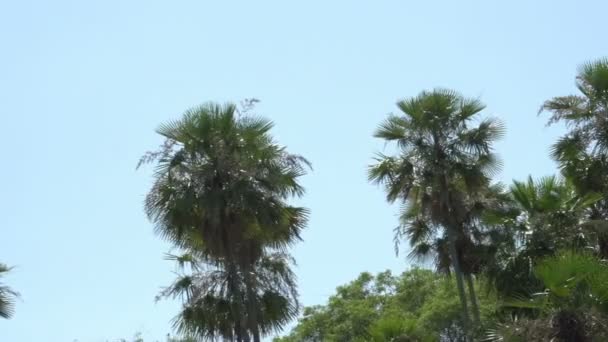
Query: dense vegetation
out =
(510, 262)
(417, 305)
(526, 261)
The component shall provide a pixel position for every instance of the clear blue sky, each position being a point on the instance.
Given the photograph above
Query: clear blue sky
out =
(83, 85)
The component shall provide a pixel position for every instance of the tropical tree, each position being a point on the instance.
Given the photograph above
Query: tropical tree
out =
(582, 153)
(538, 218)
(221, 189)
(417, 306)
(7, 296)
(573, 304)
(442, 159)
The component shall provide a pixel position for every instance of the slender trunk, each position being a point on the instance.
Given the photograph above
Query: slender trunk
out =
(238, 332)
(459, 281)
(471, 285)
(236, 308)
(603, 247)
(238, 312)
(473, 296)
(602, 238)
(252, 313)
(234, 282)
(239, 327)
(452, 231)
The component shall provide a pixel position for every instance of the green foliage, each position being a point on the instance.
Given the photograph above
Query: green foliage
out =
(419, 305)
(537, 218)
(542, 217)
(585, 114)
(572, 281)
(573, 306)
(218, 169)
(435, 141)
(211, 304)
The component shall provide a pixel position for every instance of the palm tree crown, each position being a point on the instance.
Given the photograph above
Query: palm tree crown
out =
(220, 178)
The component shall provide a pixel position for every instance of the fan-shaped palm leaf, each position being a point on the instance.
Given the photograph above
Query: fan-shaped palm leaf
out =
(7, 296)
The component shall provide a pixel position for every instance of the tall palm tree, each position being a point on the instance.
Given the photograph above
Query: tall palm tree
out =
(7, 296)
(221, 188)
(583, 152)
(441, 158)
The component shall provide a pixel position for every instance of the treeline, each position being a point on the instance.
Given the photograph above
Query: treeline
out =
(525, 261)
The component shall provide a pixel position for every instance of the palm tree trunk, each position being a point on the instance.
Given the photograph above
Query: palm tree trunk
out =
(452, 231)
(238, 332)
(473, 296)
(459, 280)
(237, 311)
(253, 320)
(252, 310)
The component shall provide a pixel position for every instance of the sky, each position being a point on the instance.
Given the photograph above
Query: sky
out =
(84, 84)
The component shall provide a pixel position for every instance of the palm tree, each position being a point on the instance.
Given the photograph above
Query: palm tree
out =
(538, 218)
(7, 296)
(586, 114)
(575, 296)
(552, 213)
(441, 159)
(583, 152)
(221, 188)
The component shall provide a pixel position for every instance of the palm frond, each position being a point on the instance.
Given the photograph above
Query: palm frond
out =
(538, 301)
(8, 296)
(478, 140)
(592, 77)
(393, 128)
